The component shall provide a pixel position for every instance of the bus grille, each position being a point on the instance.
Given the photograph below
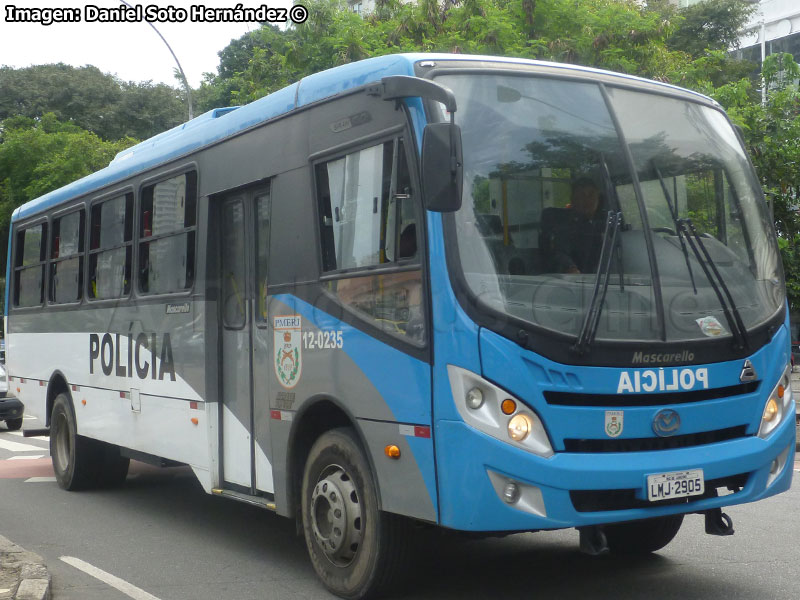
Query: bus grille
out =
(613, 400)
(654, 443)
(602, 500)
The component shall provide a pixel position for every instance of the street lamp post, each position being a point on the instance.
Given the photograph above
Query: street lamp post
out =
(180, 68)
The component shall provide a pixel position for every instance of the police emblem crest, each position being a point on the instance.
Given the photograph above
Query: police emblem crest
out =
(288, 349)
(615, 420)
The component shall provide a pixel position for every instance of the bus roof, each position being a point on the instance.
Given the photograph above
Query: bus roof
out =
(220, 123)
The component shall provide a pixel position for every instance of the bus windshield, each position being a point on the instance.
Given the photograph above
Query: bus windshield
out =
(549, 162)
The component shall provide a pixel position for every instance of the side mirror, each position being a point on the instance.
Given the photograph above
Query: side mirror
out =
(442, 167)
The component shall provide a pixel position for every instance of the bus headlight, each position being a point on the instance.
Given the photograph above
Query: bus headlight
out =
(492, 410)
(778, 404)
(519, 427)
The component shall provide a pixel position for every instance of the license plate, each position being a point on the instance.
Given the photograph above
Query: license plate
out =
(678, 484)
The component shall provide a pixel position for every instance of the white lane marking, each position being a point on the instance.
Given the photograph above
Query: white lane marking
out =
(26, 457)
(120, 584)
(17, 447)
(40, 480)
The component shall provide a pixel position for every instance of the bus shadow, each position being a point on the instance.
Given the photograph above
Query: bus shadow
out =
(549, 564)
(445, 565)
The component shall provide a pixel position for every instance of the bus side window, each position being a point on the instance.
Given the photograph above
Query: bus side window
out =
(167, 220)
(66, 258)
(29, 266)
(368, 219)
(110, 248)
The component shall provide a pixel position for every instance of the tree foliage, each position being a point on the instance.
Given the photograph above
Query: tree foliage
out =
(94, 101)
(37, 156)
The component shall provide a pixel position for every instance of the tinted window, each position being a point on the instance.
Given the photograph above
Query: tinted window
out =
(167, 218)
(110, 248)
(29, 266)
(66, 254)
(368, 218)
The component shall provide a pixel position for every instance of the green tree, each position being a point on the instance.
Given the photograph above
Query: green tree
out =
(710, 25)
(772, 136)
(37, 156)
(94, 101)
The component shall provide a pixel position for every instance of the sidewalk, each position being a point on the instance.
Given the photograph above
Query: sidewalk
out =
(23, 574)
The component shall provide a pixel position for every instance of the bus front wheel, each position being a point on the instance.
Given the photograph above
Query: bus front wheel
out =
(356, 549)
(642, 537)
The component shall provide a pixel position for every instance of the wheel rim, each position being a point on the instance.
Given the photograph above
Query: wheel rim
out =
(63, 442)
(336, 518)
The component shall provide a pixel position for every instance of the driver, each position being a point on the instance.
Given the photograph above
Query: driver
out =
(572, 236)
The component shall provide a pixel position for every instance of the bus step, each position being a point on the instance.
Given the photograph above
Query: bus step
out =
(246, 498)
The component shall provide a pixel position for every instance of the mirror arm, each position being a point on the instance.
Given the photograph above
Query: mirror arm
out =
(396, 87)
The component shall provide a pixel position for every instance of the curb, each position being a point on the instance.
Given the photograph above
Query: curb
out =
(23, 574)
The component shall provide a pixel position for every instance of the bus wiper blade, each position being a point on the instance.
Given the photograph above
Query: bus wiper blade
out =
(729, 308)
(592, 318)
(673, 211)
(611, 192)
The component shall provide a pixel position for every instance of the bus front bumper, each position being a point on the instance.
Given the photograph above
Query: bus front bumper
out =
(576, 490)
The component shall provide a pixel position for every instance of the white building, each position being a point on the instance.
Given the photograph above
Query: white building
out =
(361, 7)
(774, 27)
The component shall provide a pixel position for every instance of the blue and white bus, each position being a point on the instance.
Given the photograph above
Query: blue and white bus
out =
(481, 293)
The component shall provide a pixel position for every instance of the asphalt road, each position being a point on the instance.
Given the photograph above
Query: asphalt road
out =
(161, 534)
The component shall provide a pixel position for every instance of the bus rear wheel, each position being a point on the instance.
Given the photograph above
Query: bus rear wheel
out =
(79, 462)
(642, 537)
(356, 549)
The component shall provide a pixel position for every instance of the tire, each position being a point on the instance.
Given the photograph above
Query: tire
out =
(14, 424)
(356, 550)
(642, 537)
(75, 458)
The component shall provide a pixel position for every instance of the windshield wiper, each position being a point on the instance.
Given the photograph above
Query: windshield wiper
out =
(592, 318)
(673, 211)
(708, 265)
(611, 193)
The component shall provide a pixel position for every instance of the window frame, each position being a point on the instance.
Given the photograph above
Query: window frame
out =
(138, 226)
(80, 255)
(44, 222)
(394, 136)
(122, 192)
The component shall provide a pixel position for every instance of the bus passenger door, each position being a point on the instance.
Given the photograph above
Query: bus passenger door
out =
(244, 240)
